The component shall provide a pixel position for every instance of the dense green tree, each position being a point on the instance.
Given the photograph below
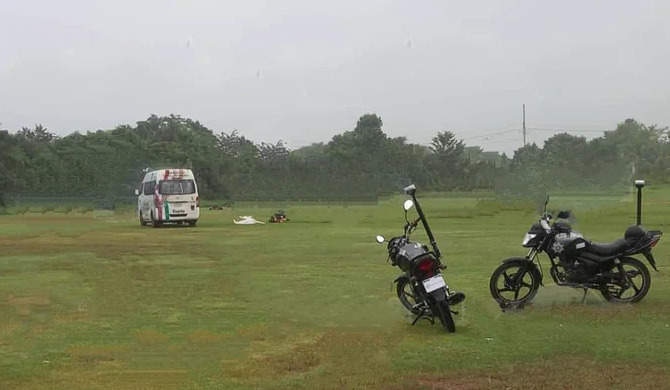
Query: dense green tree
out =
(361, 163)
(638, 146)
(448, 161)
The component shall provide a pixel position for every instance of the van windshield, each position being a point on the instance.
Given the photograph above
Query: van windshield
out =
(176, 187)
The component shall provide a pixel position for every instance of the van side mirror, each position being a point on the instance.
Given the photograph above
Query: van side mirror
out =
(137, 192)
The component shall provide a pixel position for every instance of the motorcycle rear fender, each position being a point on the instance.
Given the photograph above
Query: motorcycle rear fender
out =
(401, 277)
(650, 258)
(439, 295)
(529, 264)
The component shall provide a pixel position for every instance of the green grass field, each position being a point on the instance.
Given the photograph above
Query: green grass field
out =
(91, 301)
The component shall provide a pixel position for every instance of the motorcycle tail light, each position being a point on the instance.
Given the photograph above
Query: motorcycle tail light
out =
(427, 266)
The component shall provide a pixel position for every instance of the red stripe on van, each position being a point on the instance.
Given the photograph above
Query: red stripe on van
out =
(158, 202)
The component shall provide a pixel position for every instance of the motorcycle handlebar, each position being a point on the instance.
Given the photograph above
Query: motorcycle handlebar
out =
(545, 225)
(411, 226)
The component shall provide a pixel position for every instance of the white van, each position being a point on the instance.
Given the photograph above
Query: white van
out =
(168, 196)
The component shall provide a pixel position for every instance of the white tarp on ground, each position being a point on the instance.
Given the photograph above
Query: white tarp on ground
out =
(247, 220)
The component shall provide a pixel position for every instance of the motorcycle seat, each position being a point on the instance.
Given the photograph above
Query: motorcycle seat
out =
(610, 249)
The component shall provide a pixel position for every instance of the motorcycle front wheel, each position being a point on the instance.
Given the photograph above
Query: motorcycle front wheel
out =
(445, 316)
(638, 279)
(514, 284)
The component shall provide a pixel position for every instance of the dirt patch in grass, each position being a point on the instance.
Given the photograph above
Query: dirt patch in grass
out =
(275, 360)
(257, 332)
(107, 379)
(326, 359)
(203, 337)
(24, 306)
(109, 245)
(150, 337)
(299, 358)
(563, 372)
(33, 300)
(90, 355)
(6, 330)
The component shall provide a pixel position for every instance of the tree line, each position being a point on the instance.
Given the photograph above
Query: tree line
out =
(359, 164)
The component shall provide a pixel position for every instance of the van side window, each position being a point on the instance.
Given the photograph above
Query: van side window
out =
(149, 187)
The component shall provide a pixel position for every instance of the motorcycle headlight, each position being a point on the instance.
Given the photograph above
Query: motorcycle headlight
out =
(527, 238)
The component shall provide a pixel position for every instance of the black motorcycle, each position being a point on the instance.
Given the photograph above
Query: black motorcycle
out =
(576, 262)
(421, 288)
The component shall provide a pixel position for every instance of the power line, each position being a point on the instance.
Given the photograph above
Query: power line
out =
(569, 130)
(533, 129)
(490, 134)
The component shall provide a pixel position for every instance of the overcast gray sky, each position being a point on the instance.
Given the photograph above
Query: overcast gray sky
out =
(305, 70)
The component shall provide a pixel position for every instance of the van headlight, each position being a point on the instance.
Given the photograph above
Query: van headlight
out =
(527, 238)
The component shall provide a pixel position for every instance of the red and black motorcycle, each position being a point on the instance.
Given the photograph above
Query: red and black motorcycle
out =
(421, 288)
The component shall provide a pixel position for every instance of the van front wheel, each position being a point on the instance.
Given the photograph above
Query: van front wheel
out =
(154, 222)
(142, 221)
(192, 223)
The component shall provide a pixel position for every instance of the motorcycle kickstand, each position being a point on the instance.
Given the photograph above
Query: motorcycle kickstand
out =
(422, 315)
(586, 290)
(418, 316)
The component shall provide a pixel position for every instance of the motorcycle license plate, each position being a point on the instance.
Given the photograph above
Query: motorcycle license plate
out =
(434, 283)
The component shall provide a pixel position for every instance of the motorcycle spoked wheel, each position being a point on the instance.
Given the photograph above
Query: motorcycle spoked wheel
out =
(506, 291)
(638, 277)
(407, 296)
(444, 314)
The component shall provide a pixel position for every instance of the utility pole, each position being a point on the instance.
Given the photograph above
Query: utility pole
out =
(524, 125)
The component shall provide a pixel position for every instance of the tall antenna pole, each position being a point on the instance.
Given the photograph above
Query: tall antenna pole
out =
(524, 125)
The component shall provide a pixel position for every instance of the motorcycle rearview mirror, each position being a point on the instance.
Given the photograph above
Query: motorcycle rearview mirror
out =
(380, 239)
(563, 214)
(408, 204)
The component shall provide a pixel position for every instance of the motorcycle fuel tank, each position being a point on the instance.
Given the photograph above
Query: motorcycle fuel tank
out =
(567, 245)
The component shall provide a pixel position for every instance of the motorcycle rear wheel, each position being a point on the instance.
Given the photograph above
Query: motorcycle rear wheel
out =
(407, 296)
(639, 278)
(444, 313)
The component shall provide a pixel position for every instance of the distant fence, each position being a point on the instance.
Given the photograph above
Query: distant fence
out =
(37, 202)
